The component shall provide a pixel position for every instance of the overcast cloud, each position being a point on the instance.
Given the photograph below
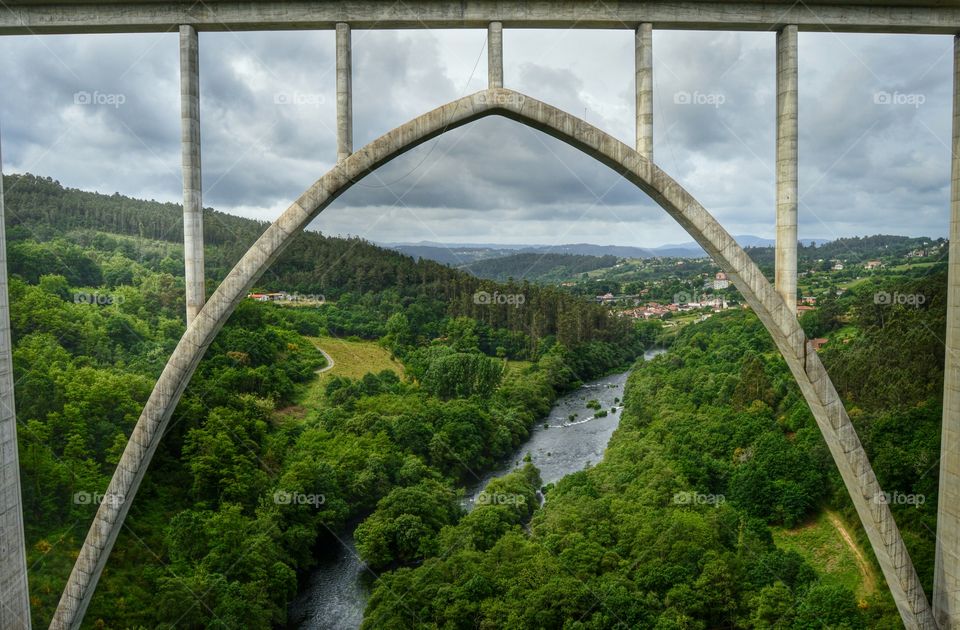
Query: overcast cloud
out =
(268, 118)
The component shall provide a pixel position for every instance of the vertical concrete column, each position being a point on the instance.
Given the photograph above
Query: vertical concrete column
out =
(644, 68)
(946, 580)
(344, 92)
(14, 599)
(787, 191)
(190, 160)
(495, 55)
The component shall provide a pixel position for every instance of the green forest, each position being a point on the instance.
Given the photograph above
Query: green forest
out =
(539, 267)
(673, 528)
(715, 453)
(96, 292)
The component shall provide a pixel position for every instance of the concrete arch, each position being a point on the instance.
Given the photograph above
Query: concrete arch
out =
(806, 367)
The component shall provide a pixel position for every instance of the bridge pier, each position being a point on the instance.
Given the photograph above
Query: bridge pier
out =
(644, 70)
(344, 92)
(946, 581)
(787, 192)
(14, 594)
(190, 160)
(495, 55)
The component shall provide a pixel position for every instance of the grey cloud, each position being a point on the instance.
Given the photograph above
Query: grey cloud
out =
(865, 167)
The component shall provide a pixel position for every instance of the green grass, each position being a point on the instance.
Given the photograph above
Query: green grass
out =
(516, 367)
(351, 359)
(915, 265)
(852, 283)
(846, 332)
(821, 543)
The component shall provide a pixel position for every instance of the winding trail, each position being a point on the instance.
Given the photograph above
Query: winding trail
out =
(330, 361)
(866, 570)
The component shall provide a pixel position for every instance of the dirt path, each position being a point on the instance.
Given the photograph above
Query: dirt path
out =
(866, 570)
(330, 361)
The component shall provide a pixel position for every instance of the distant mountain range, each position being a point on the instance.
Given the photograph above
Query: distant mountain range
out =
(461, 254)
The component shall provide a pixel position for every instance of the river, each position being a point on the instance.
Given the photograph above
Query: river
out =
(569, 439)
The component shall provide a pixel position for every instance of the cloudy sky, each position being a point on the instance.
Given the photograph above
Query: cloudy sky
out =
(874, 129)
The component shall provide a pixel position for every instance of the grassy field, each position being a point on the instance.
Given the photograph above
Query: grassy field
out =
(351, 359)
(516, 367)
(827, 544)
(916, 265)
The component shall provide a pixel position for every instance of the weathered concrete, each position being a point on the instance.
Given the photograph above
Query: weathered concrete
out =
(805, 365)
(29, 17)
(190, 160)
(787, 191)
(344, 92)
(644, 70)
(946, 581)
(495, 55)
(14, 595)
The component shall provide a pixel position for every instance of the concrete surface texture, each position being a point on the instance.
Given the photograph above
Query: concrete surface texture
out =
(495, 55)
(787, 193)
(344, 92)
(644, 70)
(14, 594)
(946, 581)
(31, 17)
(190, 160)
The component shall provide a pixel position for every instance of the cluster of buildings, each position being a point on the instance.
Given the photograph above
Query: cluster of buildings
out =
(655, 310)
(870, 265)
(806, 303)
(269, 297)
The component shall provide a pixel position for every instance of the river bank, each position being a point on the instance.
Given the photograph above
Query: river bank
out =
(573, 436)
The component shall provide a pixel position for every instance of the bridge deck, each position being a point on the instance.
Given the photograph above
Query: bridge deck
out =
(22, 17)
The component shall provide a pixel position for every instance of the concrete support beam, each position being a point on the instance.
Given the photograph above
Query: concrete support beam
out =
(495, 55)
(190, 160)
(344, 92)
(946, 580)
(644, 69)
(787, 191)
(14, 597)
(32, 17)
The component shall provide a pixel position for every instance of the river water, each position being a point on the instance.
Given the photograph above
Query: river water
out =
(569, 439)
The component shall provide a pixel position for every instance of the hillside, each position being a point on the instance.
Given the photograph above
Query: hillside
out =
(855, 249)
(40, 210)
(538, 267)
(96, 294)
(717, 504)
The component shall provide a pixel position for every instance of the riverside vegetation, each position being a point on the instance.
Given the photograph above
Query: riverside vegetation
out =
(671, 530)
(238, 494)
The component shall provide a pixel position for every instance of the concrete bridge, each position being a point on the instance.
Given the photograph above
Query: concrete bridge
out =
(774, 304)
